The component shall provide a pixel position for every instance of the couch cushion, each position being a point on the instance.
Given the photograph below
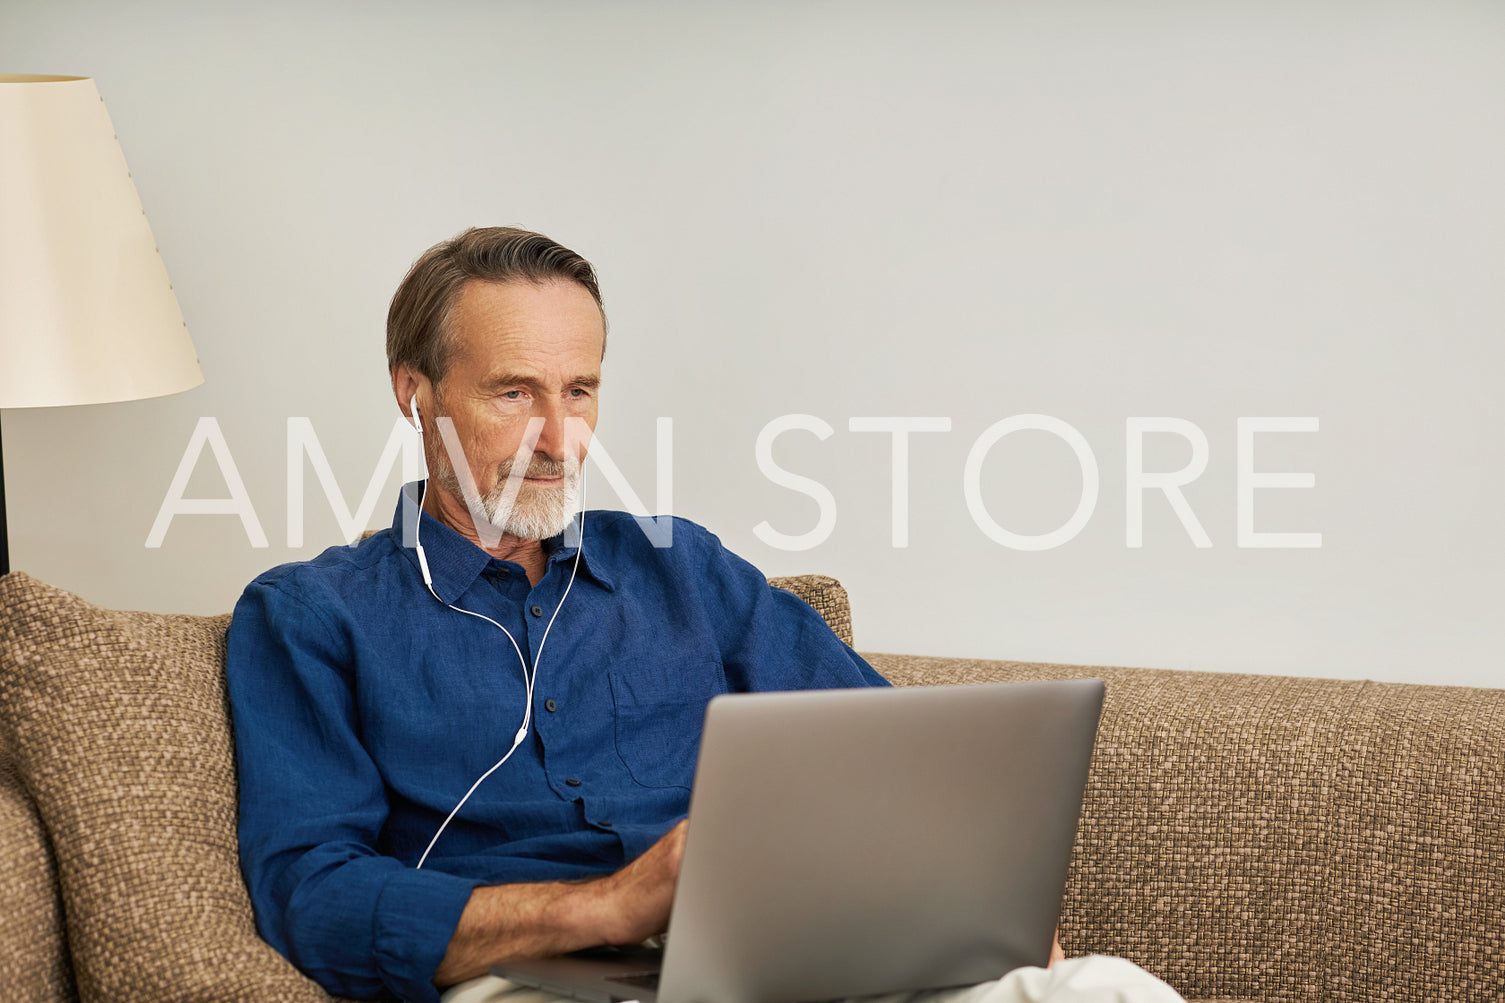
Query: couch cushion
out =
(118, 728)
(828, 598)
(34, 963)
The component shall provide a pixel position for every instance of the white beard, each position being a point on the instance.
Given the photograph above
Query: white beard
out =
(537, 513)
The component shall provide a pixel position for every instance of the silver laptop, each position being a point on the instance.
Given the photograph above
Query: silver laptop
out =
(854, 842)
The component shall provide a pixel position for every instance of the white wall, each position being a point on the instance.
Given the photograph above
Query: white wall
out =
(1093, 211)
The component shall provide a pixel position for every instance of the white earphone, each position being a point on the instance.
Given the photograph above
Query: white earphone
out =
(528, 677)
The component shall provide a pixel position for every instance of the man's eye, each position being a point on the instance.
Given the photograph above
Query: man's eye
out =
(513, 395)
(579, 392)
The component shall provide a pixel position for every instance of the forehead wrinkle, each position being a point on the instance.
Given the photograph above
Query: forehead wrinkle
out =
(524, 333)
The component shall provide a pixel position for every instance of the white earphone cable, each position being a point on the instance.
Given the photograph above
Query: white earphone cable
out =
(529, 678)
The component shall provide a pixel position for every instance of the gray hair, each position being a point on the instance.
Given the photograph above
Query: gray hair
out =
(418, 322)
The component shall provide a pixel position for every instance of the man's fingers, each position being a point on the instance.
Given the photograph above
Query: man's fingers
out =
(641, 894)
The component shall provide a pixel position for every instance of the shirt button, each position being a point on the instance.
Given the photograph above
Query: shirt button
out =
(604, 825)
(572, 781)
(536, 611)
(550, 705)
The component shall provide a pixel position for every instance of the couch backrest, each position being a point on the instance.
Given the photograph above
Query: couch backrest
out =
(1284, 838)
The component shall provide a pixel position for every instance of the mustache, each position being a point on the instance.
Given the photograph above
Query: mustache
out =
(539, 466)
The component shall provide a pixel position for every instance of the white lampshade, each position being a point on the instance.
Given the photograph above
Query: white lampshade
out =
(87, 314)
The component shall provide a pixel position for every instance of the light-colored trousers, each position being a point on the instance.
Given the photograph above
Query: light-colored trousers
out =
(1095, 978)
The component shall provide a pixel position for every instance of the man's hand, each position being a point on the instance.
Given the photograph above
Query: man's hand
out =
(508, 922)
(633, 904)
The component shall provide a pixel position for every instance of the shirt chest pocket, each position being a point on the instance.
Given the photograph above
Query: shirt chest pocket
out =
(659, 713)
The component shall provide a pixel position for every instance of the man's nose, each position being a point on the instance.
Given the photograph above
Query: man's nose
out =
(553, 438)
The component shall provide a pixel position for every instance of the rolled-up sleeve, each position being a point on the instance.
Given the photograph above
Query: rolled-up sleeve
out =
(312, 805)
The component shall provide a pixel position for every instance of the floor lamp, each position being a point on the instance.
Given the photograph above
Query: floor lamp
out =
(87, 315)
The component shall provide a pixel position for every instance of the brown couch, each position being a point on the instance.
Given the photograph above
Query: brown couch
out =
(1244, 837)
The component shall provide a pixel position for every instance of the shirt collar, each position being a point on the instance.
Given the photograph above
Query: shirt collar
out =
(564, 546)
(454, 562)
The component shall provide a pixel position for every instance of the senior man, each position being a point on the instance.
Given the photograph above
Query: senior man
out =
(471, 737)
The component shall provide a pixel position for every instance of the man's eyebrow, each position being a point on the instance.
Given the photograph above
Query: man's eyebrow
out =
(500, 380)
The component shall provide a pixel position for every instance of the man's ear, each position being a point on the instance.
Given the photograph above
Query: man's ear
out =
(407, 383)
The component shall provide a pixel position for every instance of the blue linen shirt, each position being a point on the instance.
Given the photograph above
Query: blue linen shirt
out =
(364, 709)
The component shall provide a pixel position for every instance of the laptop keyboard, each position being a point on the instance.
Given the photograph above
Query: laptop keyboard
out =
(642, 980)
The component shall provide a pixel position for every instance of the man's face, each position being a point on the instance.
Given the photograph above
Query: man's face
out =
(521, 351)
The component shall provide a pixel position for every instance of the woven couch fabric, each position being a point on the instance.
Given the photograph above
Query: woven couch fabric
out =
(34, 961)
(828, 598)
(118, 728)
(1284, 839)
(1246, 838)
